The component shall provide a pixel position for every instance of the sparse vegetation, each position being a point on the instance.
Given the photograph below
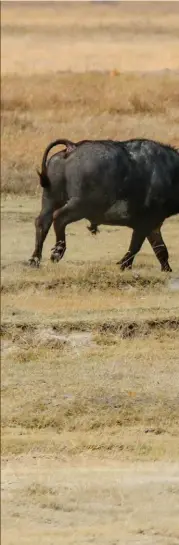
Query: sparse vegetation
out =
(89, 354)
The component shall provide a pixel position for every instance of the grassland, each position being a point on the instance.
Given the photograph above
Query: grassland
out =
(90, 360)
(80, 37)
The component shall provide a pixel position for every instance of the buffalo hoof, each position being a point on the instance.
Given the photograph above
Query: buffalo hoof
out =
(166, 268)
(58, 252)
(55, 257)
(34, 262)
(124, 266)
(125, 263)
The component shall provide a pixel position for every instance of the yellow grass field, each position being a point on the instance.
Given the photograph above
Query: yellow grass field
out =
(90, 365)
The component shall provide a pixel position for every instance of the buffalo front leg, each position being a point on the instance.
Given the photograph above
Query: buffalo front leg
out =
(160, 249)
(135, 245)
(42, 225)
(72, 211)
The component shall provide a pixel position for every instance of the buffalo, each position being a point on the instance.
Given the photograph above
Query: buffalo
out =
(134, 183)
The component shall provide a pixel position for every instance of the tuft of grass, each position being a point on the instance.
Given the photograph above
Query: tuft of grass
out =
(36, 489)
(44, 496)
(82, 276)
(129, 443)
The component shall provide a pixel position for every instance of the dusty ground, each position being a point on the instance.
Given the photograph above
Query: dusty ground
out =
(90, 502)
(90, 375)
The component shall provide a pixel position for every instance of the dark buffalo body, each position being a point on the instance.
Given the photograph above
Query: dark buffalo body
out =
(133, 183)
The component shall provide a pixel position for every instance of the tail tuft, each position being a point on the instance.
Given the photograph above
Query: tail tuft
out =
(44, 181)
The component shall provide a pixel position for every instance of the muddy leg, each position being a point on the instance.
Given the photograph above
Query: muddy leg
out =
(72, 211)
(160, 249)
(135, 245)
(60, 246)
(42, 224)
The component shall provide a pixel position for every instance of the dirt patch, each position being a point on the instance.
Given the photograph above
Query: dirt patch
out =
(73, 340)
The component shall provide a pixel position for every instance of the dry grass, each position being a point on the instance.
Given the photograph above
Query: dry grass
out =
(89, 355)
(80, 38)
(80, 106)
(98, 387)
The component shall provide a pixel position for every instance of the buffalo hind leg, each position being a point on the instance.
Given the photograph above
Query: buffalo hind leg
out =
(42, 224)
(60, 247)
(160, 249)
(72, 211)
(135, 245)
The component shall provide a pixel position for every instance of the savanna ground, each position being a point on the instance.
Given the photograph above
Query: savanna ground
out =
(90, 373)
